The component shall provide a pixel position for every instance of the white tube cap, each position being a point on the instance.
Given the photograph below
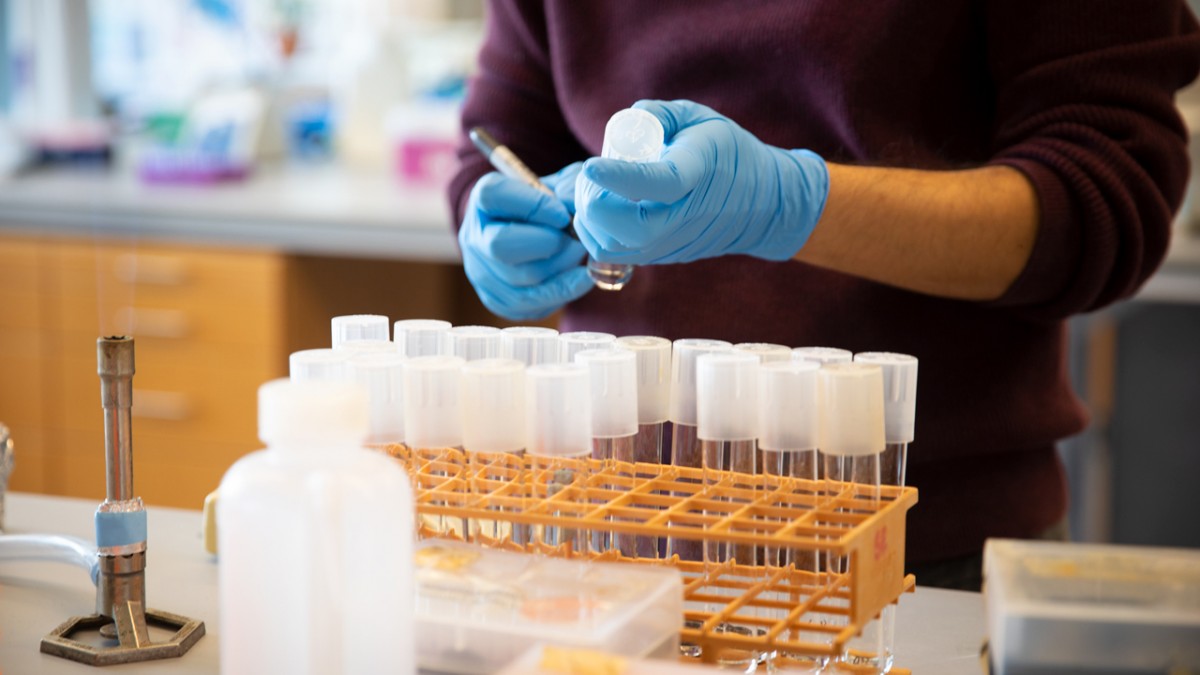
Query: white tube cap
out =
(475, 342)
(727, 397)
(823, 355)
(899, 393)
(765, 351)
(421, 337)
(558, 410)
(382, 375)
(327, 365)
(653, 375)
(683, 375)
(359, 327)
(368, 347)
(311, 413)
(433, 401)
(633, 135)
(493, 405)
(570, 344)
(613, 377)
(851, 396)
(787, 405)
(531, 345)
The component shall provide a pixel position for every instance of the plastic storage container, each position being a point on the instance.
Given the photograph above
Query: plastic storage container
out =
(480, 609)
(1086, 608)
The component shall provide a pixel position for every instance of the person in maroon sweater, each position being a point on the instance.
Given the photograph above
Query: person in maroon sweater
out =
(950, 179)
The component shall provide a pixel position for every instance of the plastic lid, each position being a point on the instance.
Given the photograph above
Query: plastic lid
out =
(432, 401)
(381, 374)
(570, 344)
(823, 355)
(475, 342)
(368, 347)
(613, 377)
(531, 345)
(899, 393)
(313, 412)
(317, 364)
(787, 405)
(765, 351)
(633, 135)
(558, 410)
(421, 337)
(683, 375)
(653, 375)
(359, 327)
(851, 409)
(727, 397)
(493, 405)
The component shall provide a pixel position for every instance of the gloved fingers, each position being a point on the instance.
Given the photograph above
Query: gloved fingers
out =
(563, 184)
(517, 243)
(535, 302)
(498, 197)
(677, 115)
(617, 224)
(679, 172)
(531, 273)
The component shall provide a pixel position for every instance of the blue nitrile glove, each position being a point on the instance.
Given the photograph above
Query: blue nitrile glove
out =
(516, 250)
(717, 190)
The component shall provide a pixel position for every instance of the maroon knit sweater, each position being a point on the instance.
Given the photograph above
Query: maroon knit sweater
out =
(1077, 94)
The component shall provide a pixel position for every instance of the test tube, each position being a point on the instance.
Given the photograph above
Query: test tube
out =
(852, 443)
(823, 355)
(612, 374)
(765, 351)
(433, 426)
(475, 342)
(653, 361)
(558, 435)
(421, 337)
(531, 345)
(317, 364)
(631, 135)
(382, 375)
(494, 440)
(358, 327)
(685, 446)
(571, 343)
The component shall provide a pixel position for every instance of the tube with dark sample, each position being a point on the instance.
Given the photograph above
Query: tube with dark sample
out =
(433, 423)
(493, 405)
(558, 437)
(612, 374)
(421, 337)
(531, 345)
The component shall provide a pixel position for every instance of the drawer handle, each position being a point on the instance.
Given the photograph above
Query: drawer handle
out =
(171, 406)
(158, 270)
(154, 323)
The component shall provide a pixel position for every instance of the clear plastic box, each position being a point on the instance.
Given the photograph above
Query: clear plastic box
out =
(479, 609)
(1081, 608)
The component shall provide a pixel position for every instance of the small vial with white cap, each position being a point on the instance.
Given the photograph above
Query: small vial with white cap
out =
(653, 361)
(685, 446)
(612, 376)
(531, 345)
(382, 375)
(326, 365)
(353, 327)
(765, 351)
(631, 135)
(823, 355)
(493, 405)
(558, 416)
(475, 342)
(433, 422)
(573, 342)
(421, 337)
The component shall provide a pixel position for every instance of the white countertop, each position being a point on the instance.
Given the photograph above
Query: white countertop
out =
(937, 632)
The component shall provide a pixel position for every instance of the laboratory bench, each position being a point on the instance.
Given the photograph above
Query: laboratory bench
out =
(938, 632)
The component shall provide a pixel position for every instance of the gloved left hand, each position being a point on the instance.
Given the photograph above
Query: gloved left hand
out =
(717, 190)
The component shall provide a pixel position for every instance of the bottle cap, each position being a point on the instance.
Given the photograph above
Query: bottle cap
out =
(851, 409)
(493, 405)
(823, 355)
(381, 374)
(899, 393)
(727, 397)
(368, 347)
(653, 375)
(612, 374)
(683, 375)
(475, 342)
(558, 410)
(317, 364)
(433, 402)
(421, 337)
(787, 405)
(633, 135)
(359, 327)
(311, 413)
(570, 344)
(531, 345)
(765, 351)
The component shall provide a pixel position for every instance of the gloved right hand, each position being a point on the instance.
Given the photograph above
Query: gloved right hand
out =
(515, 247)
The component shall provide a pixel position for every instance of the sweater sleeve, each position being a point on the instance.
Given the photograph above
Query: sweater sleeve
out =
(1085, 109)
(513, 97)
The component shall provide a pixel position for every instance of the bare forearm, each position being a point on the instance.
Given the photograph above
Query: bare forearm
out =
(956, 234)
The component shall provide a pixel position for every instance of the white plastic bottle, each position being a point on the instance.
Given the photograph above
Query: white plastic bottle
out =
(316, 542)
